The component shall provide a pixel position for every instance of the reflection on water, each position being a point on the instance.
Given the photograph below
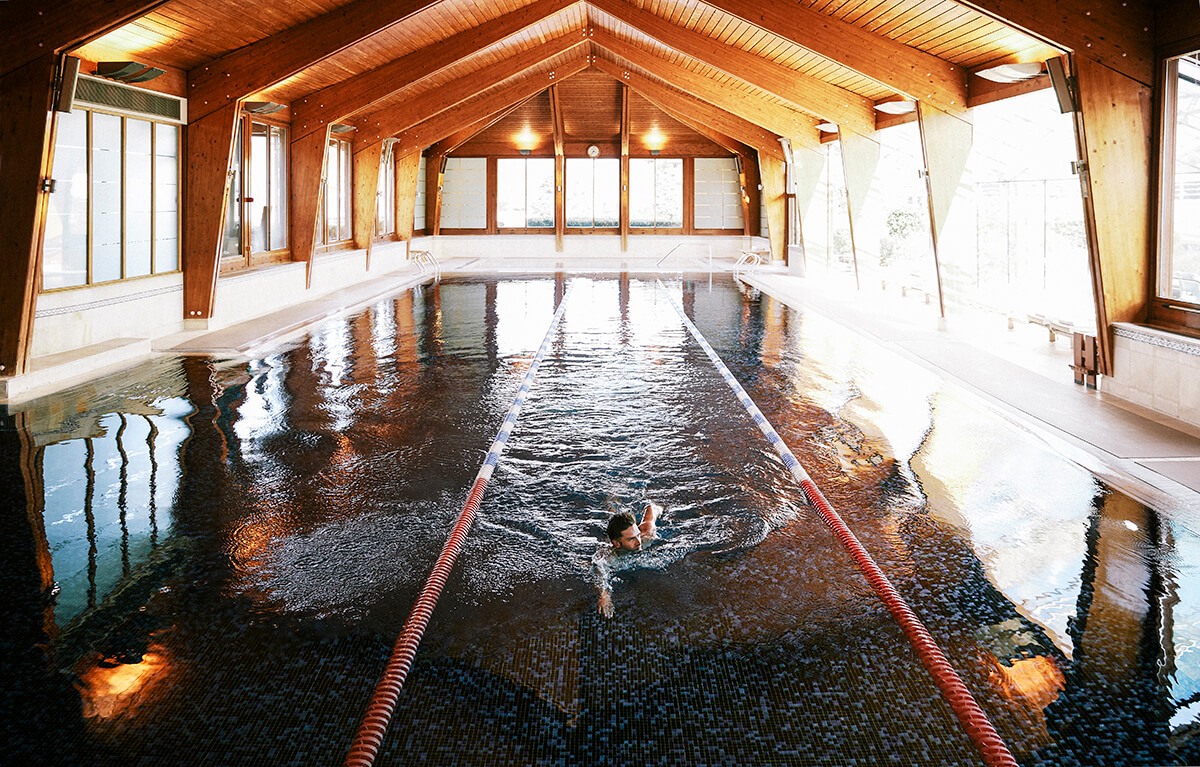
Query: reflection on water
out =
(240, 540)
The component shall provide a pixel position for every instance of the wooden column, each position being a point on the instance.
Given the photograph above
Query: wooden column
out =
(624, 214)
(946, 145)
(26, 153)
(689, 195)
(751, 208)
(305, 185)
(366, 196)
(433, 194)
(860, 162)
(1114, 128)
(408, 169)
(208, 151)
(812, 205)
(771, 172)
(560, 164)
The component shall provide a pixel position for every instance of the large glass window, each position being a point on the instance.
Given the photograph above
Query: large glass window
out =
(1179, 243)
(525, 192)
(115, 206)
(385, 204)
(656, 192)
(266, 198)
(338, 191)
(718, 193)
(593, 196)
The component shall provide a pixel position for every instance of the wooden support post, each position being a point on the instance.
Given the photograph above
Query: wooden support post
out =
(946, 145)
(26, 153)
(305, 188)
(560, 131)
(408, 169)
(751, 208)
(366, 196)
(1114, 127)
(209, 149)
(771, 171)
(860, 162)
(812, 204)
(433, 194)
(689, 195)
(624, 214)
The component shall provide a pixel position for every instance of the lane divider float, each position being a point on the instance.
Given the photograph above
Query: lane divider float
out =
(383, 702)
(978, 727)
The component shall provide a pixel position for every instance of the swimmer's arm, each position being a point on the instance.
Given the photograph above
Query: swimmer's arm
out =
(602, 582)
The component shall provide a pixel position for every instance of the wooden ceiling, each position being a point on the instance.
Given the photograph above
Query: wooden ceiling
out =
(751, 70)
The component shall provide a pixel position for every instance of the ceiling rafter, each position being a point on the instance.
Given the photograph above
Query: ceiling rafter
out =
(811, 94)
(35, 29)
(460, 137)
(781, 120)
(392, 120)
(906, 70)
(432, 130)
(745, 131)
(358, 94)
(273, 59)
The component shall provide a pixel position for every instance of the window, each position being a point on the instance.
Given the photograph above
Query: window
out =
(1179, 223)
(256, 208)
(525, 192)
(385, 203)
(718, 193)
(335, 210)
(464, 198)
(114, 213)
(419, 203)
(656, 193)
(593, 196)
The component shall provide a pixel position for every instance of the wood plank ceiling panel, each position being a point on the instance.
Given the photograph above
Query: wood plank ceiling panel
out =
(438, 23)
(187, 33)
(532, 116)
(646, 118)
(591, 106)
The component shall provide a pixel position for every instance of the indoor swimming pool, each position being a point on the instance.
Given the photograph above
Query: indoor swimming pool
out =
(212, 557)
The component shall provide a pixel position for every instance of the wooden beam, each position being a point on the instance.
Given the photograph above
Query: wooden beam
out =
(408, 171)
(1115, 126)
(771, 174)
(26, 155)
(810, 94)
(433, 194)
(560, 203)
(398, 118)
(443, 124)
(623, 216)
(751, 207)
(366, 196)
(731, 145)
(359, 93)
(33, 30)
(460, 137)
(905, 70)
(777, 119)
(208, 151)
(743, 130)
(306, 174)
(273, 59)
(1116, 33)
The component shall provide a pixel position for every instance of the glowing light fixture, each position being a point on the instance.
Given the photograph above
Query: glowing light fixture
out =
(127, 71)
(655, 140)
(1012, 73)
(525, 140)
(827, 127)
(897, 107)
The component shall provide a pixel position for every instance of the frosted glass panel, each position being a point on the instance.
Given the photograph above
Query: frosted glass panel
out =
(166, 198)
(106, 197)
(64, 257)
(139, 197)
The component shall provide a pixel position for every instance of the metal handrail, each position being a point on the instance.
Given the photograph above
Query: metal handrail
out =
(747, 263)
(428, 263)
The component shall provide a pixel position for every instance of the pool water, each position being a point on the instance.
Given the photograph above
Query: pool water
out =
(211, 558)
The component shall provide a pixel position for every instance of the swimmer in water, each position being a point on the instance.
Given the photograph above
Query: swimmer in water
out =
(626, 536)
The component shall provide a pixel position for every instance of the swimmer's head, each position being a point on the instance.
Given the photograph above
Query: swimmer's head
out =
(623, 532)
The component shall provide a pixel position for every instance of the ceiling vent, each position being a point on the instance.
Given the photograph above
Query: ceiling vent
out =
(114, 97)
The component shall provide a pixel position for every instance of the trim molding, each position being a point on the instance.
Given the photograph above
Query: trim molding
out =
(1161, 340)
(88, 305)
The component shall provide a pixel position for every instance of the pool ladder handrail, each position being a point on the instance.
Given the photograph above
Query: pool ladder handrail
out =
(659, 264)
(428, 263)
(747, 263)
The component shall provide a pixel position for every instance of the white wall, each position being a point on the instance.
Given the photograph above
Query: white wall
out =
(1157, 370)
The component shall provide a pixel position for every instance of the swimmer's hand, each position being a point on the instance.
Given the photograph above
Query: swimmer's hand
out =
(605, 605)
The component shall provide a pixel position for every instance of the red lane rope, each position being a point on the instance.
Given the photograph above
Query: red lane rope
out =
(374, 725)
(976, 724)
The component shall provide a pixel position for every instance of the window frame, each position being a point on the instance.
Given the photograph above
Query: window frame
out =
(1163, 309)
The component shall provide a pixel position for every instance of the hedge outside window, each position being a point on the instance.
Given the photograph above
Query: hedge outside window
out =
(114, 211)
(525, 192)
